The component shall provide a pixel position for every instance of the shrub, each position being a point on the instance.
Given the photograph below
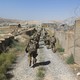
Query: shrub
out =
(18, 46)
(6, 59)
(60, 49)
(2, 59)
(70, 59)
(3, 77)
(41, 72)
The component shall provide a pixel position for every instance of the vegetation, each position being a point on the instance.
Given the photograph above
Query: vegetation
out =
(60, 49)
(18, 46)
(41, 73)
(6, 59)
(70, 59)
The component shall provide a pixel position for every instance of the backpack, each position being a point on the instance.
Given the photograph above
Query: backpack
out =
(53, 40)
(31, 47)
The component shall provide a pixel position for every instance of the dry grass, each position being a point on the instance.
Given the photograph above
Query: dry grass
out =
(6, 59)
(41, 73)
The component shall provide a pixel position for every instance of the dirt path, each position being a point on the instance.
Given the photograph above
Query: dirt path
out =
(22, 71)
(57, 70)
(52, 67)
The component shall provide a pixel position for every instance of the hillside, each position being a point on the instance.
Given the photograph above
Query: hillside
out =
(4, 20)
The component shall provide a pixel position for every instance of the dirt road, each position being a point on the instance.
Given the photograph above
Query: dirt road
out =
(49, 67)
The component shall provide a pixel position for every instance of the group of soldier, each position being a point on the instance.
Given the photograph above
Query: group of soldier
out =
(49, 41)
(32, 47)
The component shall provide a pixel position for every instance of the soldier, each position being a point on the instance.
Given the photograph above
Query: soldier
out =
(44, 37)
(47, 40)
(52, 42)
(32, 50)
(36, 38)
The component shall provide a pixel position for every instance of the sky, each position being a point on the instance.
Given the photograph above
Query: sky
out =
(39, 9)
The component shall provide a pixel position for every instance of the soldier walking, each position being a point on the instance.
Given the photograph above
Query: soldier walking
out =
(52, 42)
(32, 52)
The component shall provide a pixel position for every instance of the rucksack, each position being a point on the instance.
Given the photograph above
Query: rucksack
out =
(31, 47)
(53, 40)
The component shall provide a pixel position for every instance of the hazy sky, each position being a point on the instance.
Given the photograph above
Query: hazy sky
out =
(39, 9)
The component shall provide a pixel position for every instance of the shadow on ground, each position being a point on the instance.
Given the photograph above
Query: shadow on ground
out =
(41, 64)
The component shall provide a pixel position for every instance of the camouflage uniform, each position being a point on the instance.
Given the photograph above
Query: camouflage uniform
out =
(32, 50)
(47, 39)
(52, 42)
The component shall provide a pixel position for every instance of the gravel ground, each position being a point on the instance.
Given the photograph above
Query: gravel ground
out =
(55, 68)
(22, 71)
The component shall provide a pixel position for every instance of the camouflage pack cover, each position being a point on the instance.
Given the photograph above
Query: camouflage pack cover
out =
(31, 48)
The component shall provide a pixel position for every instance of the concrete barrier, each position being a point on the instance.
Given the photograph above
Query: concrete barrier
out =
(66, 40)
